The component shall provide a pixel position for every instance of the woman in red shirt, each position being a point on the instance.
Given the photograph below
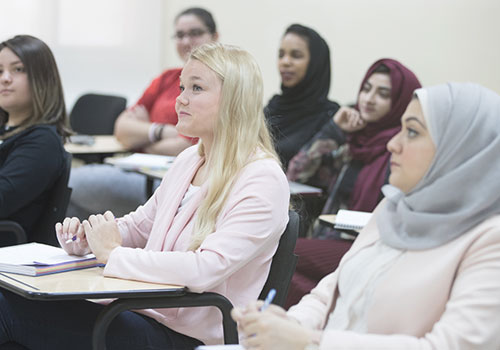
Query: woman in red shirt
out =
(148, 126)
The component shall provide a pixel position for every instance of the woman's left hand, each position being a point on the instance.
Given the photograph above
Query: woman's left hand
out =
(102, 235)
(139, 112)
(271, 329)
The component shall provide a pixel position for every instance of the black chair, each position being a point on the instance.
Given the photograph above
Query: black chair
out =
(280, 275)
(14, 231)
(94, 114)
(55, 211)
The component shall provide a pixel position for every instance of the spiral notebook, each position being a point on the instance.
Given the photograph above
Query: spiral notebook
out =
(351, 219)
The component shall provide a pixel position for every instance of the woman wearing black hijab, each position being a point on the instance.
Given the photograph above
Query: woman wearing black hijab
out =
(303, 107)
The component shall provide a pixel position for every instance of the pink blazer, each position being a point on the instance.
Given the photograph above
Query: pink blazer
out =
(442, 298)
(233, 261)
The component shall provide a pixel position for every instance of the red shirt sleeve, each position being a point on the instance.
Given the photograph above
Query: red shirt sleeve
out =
(151, 94)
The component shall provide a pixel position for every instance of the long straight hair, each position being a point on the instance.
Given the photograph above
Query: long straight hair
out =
(241, 134)
(48, 105)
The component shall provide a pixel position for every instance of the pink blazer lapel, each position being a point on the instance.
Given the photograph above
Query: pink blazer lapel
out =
(169, 196)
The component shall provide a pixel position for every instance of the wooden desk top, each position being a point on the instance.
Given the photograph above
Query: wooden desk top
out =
(153, 174)
(304, 190)
(102, 144)
(295, 187)
(78, 284)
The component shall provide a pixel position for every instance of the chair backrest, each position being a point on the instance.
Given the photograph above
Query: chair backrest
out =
(11, 233)
(95, 114)
(55, 210)
(284, 261)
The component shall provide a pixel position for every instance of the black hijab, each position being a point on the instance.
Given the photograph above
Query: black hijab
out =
(301, 110)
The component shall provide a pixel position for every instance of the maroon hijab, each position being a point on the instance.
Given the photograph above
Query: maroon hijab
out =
(369, 144)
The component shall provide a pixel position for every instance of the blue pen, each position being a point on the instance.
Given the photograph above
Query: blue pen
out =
(269, 299)
(71, 240)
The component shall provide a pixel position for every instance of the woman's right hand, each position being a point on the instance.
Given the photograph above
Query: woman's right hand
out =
(271, 329)
(349, 119)
(69, 228)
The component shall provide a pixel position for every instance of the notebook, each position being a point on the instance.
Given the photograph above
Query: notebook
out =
(36, 259)
(351, 219)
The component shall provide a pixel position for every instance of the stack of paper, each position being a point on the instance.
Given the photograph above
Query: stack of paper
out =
(138, 161)
(36, 259)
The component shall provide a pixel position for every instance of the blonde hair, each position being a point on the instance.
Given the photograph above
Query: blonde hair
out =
(240, 130)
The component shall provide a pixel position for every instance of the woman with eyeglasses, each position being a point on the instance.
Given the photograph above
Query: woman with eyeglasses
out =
(148, 126)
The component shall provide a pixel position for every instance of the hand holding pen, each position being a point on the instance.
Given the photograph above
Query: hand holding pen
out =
(258, 307)
(71, 240)
(269, 299)
(265, 326)
(71, 236)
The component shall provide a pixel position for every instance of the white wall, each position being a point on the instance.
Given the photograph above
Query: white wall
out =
(440, 40)
(118, 46)
(103, 46)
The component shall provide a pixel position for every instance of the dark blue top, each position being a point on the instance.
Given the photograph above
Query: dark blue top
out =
(30, 163)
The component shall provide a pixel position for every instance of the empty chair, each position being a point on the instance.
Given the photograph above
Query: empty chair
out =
(95, 114)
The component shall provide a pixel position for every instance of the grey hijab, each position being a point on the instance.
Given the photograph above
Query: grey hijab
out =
(462, 185)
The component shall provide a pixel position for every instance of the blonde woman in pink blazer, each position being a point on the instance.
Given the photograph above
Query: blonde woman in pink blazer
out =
(212, 225)
(425, 272)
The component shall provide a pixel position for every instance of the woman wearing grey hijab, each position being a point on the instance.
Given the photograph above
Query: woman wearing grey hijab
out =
(424, 273)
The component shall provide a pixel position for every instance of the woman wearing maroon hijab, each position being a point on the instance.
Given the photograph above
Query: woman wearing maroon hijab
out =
(368, 144)
(385, 92)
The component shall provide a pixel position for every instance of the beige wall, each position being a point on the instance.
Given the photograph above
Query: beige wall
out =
(440, 40)
(103, 46)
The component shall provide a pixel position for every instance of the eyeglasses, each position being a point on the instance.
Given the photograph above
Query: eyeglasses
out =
(192, 34)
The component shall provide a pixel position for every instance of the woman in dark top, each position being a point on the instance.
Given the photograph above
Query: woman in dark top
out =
(385, 92)
(303, 108)
(33, 122)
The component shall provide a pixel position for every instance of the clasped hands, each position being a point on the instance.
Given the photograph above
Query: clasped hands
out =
(99, 235)
(271, 329)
